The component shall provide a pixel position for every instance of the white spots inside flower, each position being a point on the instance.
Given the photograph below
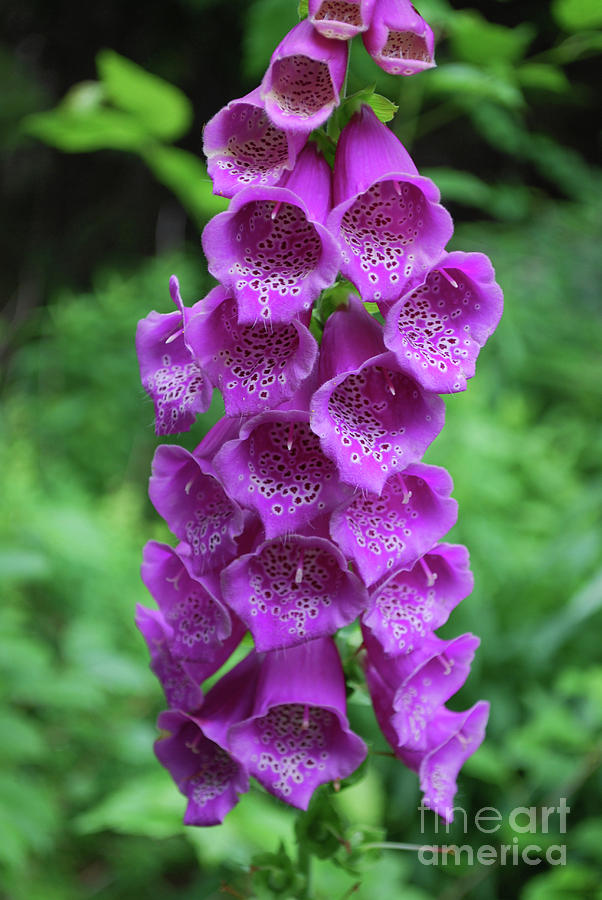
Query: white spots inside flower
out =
(380, 228)
(404, 45)
(194, 619)
(346, 11)
(284, 463)
(370, 408)
(213, 774)
(378, 523)
(431, 321)
(293, 746)
(406, 609)
(256, 151)
(255, 362)
(277, 255)
(291, 589)
(209, 512)
(174, 387)
(301, 87)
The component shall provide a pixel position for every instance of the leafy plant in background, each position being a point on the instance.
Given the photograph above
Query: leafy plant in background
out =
(87, 812)
(131, 109)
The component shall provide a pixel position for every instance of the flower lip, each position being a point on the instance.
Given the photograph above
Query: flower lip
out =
(375, 421)
(409, 604)
(290, 591)
(393, 530)
(256, 367)
(277, 468)
(244, 147)
(302, 83)
(398, 39)
(269, 251)
(340, 19)
(438, 327)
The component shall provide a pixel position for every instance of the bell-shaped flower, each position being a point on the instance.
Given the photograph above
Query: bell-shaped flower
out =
(340, 19)
(180, 680)
(451, 738)
(429, 686)
(437, 329)
(278, 469)
(393, 530)
(292, 590)
(244, 147)
(409, 605)
(256, 367)
(169, 373)
(398, 39)
(298, 735)
(387, 218)
(203, 629)
(184, 490)
(195, 748)
(302, 84)
(371, 417)
(271, 249)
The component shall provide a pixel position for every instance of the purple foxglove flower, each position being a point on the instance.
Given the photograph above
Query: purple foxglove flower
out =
(429, 686)
(278, 469)
(452, 738)
(271, 249)
(408, 606)
(298, 736)
(255, 367)
(301, 86)
(196, 750)
(184, 490)
(398, 39)
(372, 419)
(387, 218)
(393, 530)
(293, 590)
(340, 19)
(203, 630)
(180, 680)
(437, 329)
(170, 375)
(243, 147)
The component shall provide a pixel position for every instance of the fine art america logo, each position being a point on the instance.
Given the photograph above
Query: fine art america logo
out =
(522, 820)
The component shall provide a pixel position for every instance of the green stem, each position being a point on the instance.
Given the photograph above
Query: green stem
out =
(304, 864)
(392, 845)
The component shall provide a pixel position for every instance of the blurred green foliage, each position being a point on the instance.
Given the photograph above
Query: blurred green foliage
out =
(131, 109)
(85, 810)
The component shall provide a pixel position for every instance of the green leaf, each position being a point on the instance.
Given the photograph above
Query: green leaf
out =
(574, 15)
(186, 176)
(384, 108)
(466, 84)
(149, 805)
(80, 130)
(160, 107)
(303, 9)
(475, 40)
(542, 76)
